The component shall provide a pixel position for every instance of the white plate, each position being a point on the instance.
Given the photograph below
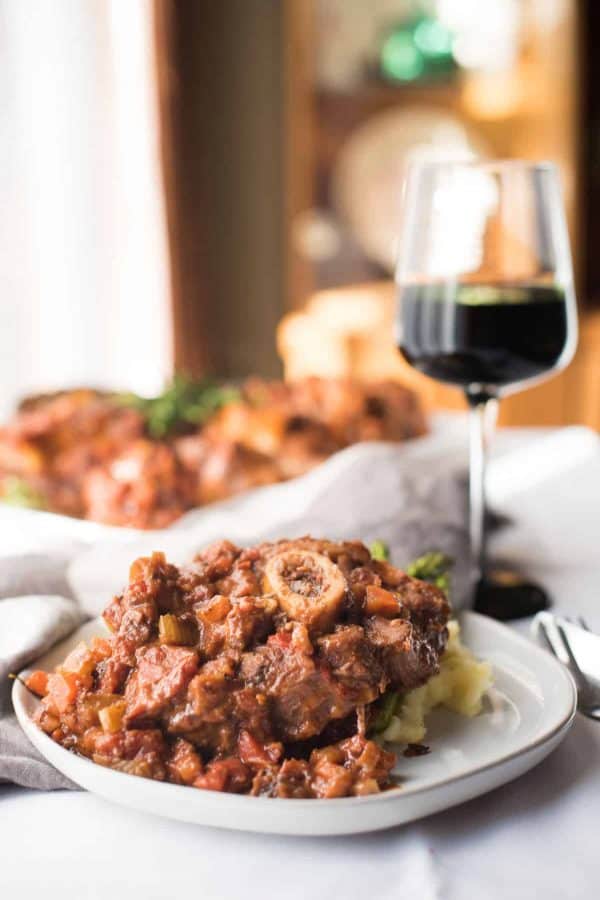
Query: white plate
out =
(528, 712)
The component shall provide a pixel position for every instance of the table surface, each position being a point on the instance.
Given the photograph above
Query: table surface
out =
(534, 837)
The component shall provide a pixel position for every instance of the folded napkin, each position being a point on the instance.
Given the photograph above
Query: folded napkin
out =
(29, 625)
(414, 501)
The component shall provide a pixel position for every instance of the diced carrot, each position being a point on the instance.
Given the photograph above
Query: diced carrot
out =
(37, 682)
(101, 648)
(380, 602)
(62, 689)
(216, 609)
(80, 660)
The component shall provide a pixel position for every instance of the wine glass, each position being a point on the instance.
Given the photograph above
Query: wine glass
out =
(486, 302)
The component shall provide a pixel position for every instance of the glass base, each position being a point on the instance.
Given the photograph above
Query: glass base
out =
(505, 595)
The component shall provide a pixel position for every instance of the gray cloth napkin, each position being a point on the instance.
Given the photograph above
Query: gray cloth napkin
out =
(414, 503)
(29, 626)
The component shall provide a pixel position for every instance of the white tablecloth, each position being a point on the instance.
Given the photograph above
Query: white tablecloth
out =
(536, 837)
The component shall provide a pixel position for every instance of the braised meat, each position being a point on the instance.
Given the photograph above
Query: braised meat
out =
(145, 486)
(88, 454)
(52, 445)
(249, 670)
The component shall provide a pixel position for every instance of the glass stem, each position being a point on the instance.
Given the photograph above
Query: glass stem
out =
(483, 414)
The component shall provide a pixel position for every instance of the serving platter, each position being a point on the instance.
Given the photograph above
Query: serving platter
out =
(527, 713)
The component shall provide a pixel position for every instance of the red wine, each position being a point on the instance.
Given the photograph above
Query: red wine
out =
(469, 334)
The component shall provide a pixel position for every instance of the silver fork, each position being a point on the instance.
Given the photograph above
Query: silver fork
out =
(588, 693)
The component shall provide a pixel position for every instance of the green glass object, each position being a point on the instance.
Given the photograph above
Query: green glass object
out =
(418, 49)
(433, 39)
(401, 59)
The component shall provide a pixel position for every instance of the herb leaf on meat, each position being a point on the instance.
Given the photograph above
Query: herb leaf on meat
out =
(433, 567)
(380, 551)
(182, 404)
(386, 707)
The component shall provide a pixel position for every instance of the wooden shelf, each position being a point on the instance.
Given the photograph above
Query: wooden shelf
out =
(377, 92)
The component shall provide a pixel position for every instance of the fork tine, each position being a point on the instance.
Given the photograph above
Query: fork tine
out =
(543, 630)
(554, 643)
(577, 620)
(573, 664)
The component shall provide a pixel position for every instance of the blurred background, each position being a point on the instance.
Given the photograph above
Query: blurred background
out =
(216, 187)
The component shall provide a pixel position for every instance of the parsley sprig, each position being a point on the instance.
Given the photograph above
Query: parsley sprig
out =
(184, 403)
(433, 567)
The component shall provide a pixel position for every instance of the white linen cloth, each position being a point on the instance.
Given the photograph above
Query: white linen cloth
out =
(534, 837)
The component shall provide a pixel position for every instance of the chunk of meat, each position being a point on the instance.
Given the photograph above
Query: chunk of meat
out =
(184, 765)
(206, 713)
(134, 614)
(291, 780)
(329, 778)
(409, 659)
(212, 617)
(235, 624)
(134, 751)
(248, 622)
(218, 558)
(303, 692)
(359, 579)
(355, 766)
(353, 663)
(255, 754)
(242, 580)
(161, 673)
(304, 444)
(370, 764)
(144, 487)
(228, 774)
(111, 675)
(229, 468)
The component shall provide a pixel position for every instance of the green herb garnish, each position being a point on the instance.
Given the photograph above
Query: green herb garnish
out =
(17, 492)
(386, 707)
(433, 567)
(182, 404)
(380, 551)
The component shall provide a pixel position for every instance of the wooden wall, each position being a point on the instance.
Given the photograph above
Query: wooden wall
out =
(241, 138)
(222, 103)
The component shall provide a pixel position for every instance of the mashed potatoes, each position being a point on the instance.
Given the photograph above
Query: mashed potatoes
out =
(460, 686)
